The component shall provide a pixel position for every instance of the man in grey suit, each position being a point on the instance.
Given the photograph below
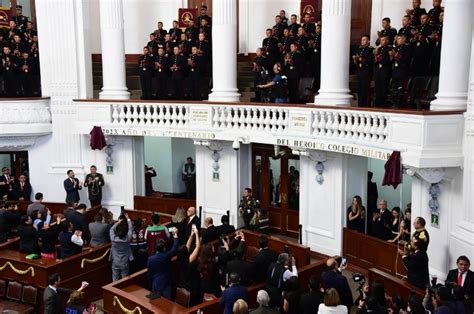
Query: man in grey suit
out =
(72, 185)
(52, 294)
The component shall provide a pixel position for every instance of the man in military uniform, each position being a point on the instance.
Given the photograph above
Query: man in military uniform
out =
(185, 45)
(152, 44)
(161, 73)
(301, 41)
(435, 12)
(387, 30)
(94, 182)
(20, 19)
(293, 68)
(422, 47)
(248, 206)
(160, 32)
(278, 28)
(416, 12)
(401, 59)
(284, 19)
(406, 28)
(177, 66)
(270, 48)
(294, 25)
(9, 70)
(420, 232)
(364, 60)
(203, 15)
(192, 31)
(382, 71)
(315, 58)
(25, 67)
(19, 46)
(175, 32)
(196, 71)
(309, 27)
(285, 42)
(29, 32)
(204, 48)
(35, 71)
(436, 37)
(168, 45)
(260, 72)
(145, 68)
(12, 31)
(206, 29)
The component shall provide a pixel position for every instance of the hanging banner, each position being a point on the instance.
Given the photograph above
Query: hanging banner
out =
(184, 15)
(309, 7)
(5, 14)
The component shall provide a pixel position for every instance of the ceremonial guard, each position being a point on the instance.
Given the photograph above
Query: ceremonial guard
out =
(204, 48)
(387, 30)
(436, 37)
(206, 29)
(185, 45)
(364, 60)
(161, 73)
(270, 48)
(20, 19)
(29, 32)
(9, 71)
(260, 72)
(301, 41)
(177, 66)
(160, 32)
(35, 71)
(203, 15)
(94, 182)
(278, 28)
(315, 58)
(285, 42)
(407, 28)
(175, 32)
(292, 69)
(145, 68)
(192, 31)
(401, 58)
(422, 47)
(416, 12)
(152, 45)
(308, 26)
(294, 25)
(382, 71)
(168, 45)
(196, 70)
(435, 12)
(25, 66)
(248, 206)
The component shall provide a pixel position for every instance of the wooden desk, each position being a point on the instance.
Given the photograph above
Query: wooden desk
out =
(369, 252)
(11, 244)
(394, 285)
(58, 208)
(161, 205)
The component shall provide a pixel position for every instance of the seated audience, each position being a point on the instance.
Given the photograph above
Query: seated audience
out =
(70, 240)
(332, 303)
(28, 236)
(120, 252)
(264, 258)
(189, 276)
(263, 299)
(240, 307)
(277, 275)
(311, 299)
(99, 231)
(225, 227)
(416, 262)
(333, 278)
(356, 215)
(154, 233)
(159, 266)
(209, 233)
(231, 294)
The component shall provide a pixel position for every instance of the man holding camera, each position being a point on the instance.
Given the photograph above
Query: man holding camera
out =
(333, 278)
(279, 273)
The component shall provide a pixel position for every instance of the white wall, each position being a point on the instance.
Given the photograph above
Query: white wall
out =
(394, 9)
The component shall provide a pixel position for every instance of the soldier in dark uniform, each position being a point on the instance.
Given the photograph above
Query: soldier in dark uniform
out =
(161, 73)
(364, 60)
(284, 19)
(12, 31)
(401, 59)
(416, 12)
(436, 37)
(309, 27)
(294, 25)
(18, 46)
(177, 67)
(435, 12)
(192, 31)
(20, 19)
(145, 68)
(185, 45)
(25, 66)
(196, 71)
(301, 41)
(175, 32)
(206, 29)
(260, 72)
(285, 42)
(315, 58)
(382, 71)
(35, 71)
(387, 30)
(248, 206)
(278, 28)
(9, 70)
(152, 45)
(29, 32)
(270, 48)
(160, 32)
(203, 46)
(203, 15)
(406, 28)
(422, 47)
(168, 45)
(292, 69)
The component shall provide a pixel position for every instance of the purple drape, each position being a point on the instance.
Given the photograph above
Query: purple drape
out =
(97, 138)
(393, 170)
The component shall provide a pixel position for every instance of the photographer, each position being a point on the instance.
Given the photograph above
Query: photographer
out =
(279, 85)
(278, 274)
(121, 252)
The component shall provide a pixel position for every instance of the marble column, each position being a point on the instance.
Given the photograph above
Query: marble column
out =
(335, 49)
(113, 50)
(224, 61)
(455, 54)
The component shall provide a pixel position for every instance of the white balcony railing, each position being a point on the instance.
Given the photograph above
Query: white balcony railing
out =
(426, 139)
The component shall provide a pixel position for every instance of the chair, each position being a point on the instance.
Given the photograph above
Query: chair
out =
(14, 291)
(183, 297)
(252, 251)
(29, 295)
(3, 288)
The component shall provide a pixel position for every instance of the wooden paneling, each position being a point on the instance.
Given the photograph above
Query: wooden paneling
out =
(369, 252)
(360, 19)
(394, 285)
(197, 4)
(162, 205)
(143, 214)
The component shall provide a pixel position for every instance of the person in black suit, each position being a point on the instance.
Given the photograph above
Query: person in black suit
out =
(225, 228)
(79, 221)
(21, 189)
(333, 278)
(6, 181)
(311, 299)
(209, 233)
(52, 294)
(464, 277)
(417, 263)
(264, 258)
(382, 222)
(238, 265)
(72, 185)
(193, 220)
(28, 236)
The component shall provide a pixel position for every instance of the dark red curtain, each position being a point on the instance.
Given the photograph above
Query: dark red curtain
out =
(97, 138)
(393, 170)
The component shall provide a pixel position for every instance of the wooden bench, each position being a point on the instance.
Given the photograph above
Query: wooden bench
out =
(143, 214)
(58, 208)
(161, 205)
(17, 298)
(369, 252)
(11, 244)
(91, 265)
(394, 285)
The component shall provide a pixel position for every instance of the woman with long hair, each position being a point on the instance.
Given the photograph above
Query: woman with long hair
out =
(190, 277)
(356, 215)
(208, 269)
(178, 220)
